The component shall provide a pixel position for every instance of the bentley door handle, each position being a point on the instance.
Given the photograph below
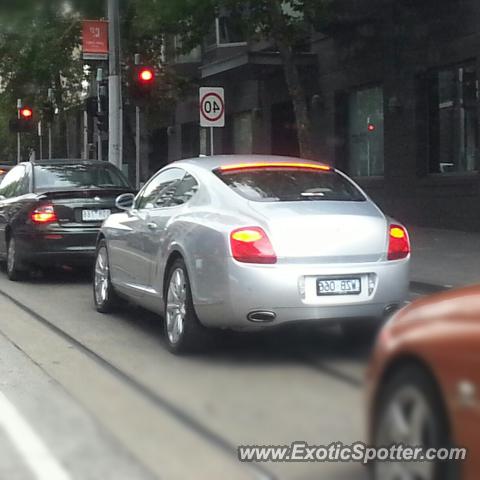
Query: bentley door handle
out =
(152, 226)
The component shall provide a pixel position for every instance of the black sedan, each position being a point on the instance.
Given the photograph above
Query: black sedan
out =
(51, 211)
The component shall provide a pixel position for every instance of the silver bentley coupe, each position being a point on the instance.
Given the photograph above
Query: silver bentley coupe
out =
(249, 242)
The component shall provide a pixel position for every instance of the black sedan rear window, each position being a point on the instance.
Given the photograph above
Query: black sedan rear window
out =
(285, 184)
(59, 177)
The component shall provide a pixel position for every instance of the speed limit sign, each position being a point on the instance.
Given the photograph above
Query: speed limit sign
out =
(212, 107)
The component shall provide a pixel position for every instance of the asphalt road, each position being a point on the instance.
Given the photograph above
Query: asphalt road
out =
(103, 397)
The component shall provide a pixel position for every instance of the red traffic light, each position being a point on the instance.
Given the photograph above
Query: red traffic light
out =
(26, 113)
(371, 127)
(146, 75)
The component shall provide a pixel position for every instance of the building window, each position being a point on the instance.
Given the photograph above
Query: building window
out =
(365, 132)
(225, 32)
(453, 120)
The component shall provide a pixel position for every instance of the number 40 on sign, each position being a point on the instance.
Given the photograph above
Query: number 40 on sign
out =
(212, 107)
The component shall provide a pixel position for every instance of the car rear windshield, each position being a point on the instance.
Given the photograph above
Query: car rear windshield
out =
(284, 184)
(60, 177)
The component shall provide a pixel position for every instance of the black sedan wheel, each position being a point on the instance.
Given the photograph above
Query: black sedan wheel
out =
(183, 330)
(410, 412)
(16, 270)
(104, 294)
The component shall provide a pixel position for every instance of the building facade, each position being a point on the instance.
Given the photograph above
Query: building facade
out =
(393, 90)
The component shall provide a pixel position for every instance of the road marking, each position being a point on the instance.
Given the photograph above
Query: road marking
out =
(35, 453)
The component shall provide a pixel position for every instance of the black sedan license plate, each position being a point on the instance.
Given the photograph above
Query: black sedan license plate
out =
(95, 215)
(339, 286)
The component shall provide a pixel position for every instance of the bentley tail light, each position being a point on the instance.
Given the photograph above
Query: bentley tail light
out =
(44, 214)
(399, 244)
(252, 245)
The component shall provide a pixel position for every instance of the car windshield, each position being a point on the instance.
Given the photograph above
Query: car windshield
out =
(58, 177)
(285, 184)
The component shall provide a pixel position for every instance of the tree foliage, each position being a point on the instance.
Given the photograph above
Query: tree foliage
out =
(38, 50)
(288, 23)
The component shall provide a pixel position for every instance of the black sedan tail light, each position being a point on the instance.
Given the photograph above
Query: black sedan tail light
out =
(44, 214)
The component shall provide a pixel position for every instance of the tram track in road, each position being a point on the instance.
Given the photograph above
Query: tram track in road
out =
(332, 357)
(318, 364)
(187, 420)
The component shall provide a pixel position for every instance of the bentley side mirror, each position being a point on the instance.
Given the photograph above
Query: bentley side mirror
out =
(125, 201)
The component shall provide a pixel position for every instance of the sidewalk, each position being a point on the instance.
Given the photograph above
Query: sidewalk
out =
(444, 257)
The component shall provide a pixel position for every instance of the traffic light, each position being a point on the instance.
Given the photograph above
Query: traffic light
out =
(26, 120)
(48, 112)
(102, 121)
(26, 113)
(142, 82)
(98, 107)
(102, 109)
(146, 75)
(24, 123)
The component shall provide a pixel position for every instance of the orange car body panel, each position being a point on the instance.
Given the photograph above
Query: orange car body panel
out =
(441, 332)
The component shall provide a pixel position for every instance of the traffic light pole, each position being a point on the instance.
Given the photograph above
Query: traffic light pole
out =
(50, 98)
(40, 139)
(49, 141)
(115, 86)
(137, 156)
(99, 109)
(137, 136)
(19, 138)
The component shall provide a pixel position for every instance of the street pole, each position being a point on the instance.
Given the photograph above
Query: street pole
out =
(137, 136)
(211, 141)
(19, 140)
(99, 110)
(50, 99)
(114, 86)
(137, 153)
(40, 136)
(85, 135)
(49, 141)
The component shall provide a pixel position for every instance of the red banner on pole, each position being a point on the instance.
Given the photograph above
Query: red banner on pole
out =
(95, 39)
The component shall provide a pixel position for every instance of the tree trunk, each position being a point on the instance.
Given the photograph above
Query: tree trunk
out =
(300, 107)
(294, 83)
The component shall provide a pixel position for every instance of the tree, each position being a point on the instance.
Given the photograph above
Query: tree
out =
(287, 22)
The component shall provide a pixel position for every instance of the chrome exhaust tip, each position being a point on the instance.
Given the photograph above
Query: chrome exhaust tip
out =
(261, 316)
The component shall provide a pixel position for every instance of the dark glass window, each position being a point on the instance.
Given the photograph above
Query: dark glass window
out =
(230, 30)
(81, 175)
(453, 120)
(285, 184)
(365, 132)
(14, 183)
(185, 190)
(226, 30)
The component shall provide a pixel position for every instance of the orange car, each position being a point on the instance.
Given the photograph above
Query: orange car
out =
(424, 386)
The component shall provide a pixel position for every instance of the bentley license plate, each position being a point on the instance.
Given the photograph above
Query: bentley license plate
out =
(339, 286)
